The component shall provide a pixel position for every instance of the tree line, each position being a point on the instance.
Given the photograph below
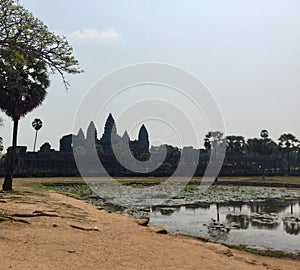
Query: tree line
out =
(287, 147)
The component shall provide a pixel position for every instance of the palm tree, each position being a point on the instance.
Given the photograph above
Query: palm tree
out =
(27, 51)
(264, 134)
(212, 140)
(23, 83)
(235, 144)
(37, 125)
(288, 143)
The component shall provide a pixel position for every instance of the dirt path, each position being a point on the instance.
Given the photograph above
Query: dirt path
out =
(43, 230)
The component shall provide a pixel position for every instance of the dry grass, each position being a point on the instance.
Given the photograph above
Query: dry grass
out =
(20, 183)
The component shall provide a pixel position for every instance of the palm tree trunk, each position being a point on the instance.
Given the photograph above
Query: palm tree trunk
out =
(7, 185)
(35, 140)
(289, 162)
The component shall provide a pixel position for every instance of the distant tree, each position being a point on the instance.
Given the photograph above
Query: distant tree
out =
(213, 139)
(235, 144)
(253, 146)
(264, 134)
(288, 143)
(263, 147)
(144, 156)
(37, 125)
(165, 167)
(270, 148)
(172, 155)
(46, 147)
(28, 50)
(207, 143)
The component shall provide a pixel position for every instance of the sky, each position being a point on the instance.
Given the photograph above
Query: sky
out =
(246, 53)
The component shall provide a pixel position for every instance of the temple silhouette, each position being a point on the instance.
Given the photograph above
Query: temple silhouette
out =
(49, 162)
(88, 142)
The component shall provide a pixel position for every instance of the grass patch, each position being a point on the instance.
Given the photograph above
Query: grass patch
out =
(74, 188)
(259, 179)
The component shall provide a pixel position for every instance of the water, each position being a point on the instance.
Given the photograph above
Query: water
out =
(263, 225)
(259, 217)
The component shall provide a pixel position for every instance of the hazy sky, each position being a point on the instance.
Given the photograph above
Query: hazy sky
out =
(246, 52)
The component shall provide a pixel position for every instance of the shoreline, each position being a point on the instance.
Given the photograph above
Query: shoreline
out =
(106, 240)
(143, 213)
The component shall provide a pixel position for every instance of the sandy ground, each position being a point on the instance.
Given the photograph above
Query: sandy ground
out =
(36, 233)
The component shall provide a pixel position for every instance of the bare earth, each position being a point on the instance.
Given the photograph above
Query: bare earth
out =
(109, 241)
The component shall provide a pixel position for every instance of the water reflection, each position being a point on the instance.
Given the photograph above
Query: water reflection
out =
(241, 221)
(269, 207)
(168, 211)
(266, 224)
(264, 215)
(268, 215)
(292, 228)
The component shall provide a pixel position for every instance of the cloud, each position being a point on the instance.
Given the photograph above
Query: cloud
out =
(95, 35)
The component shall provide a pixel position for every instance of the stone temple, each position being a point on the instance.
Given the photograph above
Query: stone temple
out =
(81, 142)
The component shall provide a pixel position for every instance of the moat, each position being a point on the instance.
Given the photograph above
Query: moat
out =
(261, 225)
(255, 217)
